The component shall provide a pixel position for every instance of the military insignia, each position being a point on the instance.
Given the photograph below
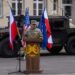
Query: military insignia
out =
(32, 50)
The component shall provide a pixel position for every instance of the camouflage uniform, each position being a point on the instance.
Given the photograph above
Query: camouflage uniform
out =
(32, 49)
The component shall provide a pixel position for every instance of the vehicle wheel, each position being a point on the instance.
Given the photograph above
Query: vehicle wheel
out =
(6, 50)
(55, 50)
(70, 45)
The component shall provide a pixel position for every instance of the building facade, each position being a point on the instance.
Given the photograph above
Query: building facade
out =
(73, 12)
(54, 7)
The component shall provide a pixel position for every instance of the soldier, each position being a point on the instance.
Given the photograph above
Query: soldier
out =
(33, 38)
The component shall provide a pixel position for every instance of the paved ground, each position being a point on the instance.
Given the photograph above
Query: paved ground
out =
(50, 65)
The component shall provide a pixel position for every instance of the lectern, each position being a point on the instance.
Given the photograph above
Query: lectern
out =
(32, 51)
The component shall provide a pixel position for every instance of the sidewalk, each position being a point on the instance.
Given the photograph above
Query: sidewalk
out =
(50, 65)
(53, 74)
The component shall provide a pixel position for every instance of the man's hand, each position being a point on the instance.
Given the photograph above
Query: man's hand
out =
(23, 43)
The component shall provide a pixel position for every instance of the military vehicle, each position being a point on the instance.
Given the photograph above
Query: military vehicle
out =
(62, 34)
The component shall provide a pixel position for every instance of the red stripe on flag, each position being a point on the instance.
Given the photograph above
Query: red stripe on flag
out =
(11, 45)
(49, 45)
(13, 31)
(48, 28)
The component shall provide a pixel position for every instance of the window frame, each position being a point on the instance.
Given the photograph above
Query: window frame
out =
(64, 5)
(16, 6)
(65, 2)
(37, 2)
(54, 5)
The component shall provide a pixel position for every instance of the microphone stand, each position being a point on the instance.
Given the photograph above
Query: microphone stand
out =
(19, 60)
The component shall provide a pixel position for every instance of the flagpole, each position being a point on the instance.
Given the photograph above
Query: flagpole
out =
(20, 38)
(19, 70)
(44, 3)
(8, 4)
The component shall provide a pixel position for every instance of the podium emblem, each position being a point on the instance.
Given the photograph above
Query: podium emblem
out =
(32, 49)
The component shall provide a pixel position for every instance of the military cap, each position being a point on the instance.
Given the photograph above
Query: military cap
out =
(33, 22)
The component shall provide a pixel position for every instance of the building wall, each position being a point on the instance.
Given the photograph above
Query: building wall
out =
(6, 8)
(60, 7)
(3, 18)
(50, 7)
(73, 11)
(29, 3)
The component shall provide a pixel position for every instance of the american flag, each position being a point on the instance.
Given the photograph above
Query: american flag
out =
(26, 24)
(26, 20)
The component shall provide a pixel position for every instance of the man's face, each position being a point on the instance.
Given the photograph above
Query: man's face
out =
(33, 26)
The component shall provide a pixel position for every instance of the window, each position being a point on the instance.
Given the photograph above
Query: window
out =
(40, 9)
(34, 6)
(14, 5)
(67, 7)
(54, 5)
(67, 11)
(17, 7)
(1, 8)
(67, 1)
(37, 7)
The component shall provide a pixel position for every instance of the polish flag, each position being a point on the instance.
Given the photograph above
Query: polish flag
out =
(12, 30)
(48, 29)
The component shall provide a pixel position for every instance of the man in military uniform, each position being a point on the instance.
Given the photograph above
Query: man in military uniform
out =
(33, 38)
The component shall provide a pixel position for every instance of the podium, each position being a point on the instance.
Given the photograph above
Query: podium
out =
(32, 51)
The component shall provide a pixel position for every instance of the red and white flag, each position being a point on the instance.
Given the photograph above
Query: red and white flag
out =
(12, 29)
(48, 28)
